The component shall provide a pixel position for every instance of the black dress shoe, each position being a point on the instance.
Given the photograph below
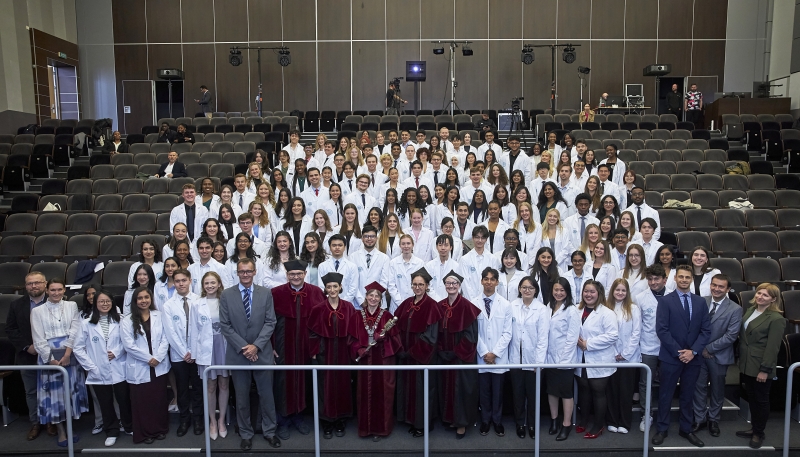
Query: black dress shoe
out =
(697, 427)
(149, 440)
(161, 437)
(554, 423)
(246, 445)
(532, 432)
(327, 431)
(484, 428)
(692, 438)
(198, 427)
(745, 433)
(658, 438)
(273, 441)
(338, 428)
(521, 431)
(418, 433)
(756, 441)
(564, 433)
(183, 428)
(713, 428)
(499, 430)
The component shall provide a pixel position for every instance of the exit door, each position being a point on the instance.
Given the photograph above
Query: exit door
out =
(139, 107)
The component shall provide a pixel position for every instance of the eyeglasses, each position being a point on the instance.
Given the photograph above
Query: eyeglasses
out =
(104, 302)
(245, 272)
(368, 236)
(417, 285)
(451, 284)
(295, 274)
(509, 238)
(527, 288)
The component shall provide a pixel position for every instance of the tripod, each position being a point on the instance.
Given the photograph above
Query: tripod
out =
(516, 126)
(453, 84)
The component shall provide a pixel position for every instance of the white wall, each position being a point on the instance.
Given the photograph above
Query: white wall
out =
(781, 40)
(745, 44)
(96, 50)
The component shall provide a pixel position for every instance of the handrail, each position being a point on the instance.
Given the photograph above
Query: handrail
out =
(425, 369)
(788, 411)
(67, 391)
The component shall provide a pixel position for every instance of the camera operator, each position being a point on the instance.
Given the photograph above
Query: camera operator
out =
(393, 100)
(486, 124)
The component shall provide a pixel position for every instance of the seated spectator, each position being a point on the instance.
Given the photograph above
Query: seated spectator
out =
(165, 134)
(172, 168)
(486, 124)
(117, 144)
(183, 135)
(587, 115)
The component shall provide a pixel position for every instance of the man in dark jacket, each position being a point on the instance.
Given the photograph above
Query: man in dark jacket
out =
(675, 102)
(183, 135)
(18, 329)
(172, 168)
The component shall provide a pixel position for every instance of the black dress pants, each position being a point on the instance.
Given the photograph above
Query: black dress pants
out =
(592, 397)
(758, 397)
(105, 397)
(186, 375)
(620, 397)
(523, 388)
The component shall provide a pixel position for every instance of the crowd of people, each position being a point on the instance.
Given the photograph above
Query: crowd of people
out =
(426, 252)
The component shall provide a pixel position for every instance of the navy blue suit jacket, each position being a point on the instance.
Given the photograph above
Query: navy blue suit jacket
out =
(676, 332)
(178, 170)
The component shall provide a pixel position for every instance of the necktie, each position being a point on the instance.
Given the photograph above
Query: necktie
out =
(602, 187)
(373, 179)
(241, 201)
(578, 282)
(364, 200)
(417, 181)
(186, 311)
(336, 264)
(436, 177)
(316, 192)
(190, 221)
(639, 216)
(488, 303)
(622, 261)
(714, 309)
(686, 308)
(350, 183)
(247, 302)
(369, 259)
(583, 225)
(395, 163)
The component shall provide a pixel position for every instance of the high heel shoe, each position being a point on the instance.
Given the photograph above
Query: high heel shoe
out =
(553, 426)
(564, 433)
(223, 430)
(212, 429)
(580, 429)
(592, 436)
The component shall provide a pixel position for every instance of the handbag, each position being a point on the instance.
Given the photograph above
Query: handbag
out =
(58, 354)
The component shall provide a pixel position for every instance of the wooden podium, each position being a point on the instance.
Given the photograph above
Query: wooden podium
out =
(715, 110)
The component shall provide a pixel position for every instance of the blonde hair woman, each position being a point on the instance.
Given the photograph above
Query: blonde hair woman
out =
(556, 238)
(622, 384)
(389, 238)
(530, 233)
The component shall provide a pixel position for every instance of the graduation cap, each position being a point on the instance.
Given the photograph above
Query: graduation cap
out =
(423, 273)
(455, 275)
(375, 285)
(332, 277)
(294, 265)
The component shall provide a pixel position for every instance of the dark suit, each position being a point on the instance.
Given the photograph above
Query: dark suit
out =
(18, 329)
(676, 332)
(725, 325)
(109, 147)
(239, 332)
(178, 170)
(205, 101)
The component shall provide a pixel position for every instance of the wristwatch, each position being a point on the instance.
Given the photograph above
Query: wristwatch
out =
(694, 352)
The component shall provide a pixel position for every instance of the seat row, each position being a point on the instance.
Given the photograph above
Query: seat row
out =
(715, 199)
(234, 158)
(655, 143)
(113, 277)
(216, 145)
(226, 128)
(160, 198)
(126, 171)
(643, 135)
(712, 219)
(660, 182)
(747, 273)
(214, 137)
(110, 223)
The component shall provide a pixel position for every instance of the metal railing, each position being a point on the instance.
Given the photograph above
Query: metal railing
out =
(788, 410)
(67, 391)
(426, 380)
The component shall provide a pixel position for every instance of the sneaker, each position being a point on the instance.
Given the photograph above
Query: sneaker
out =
(111, 440)
(612, 429)
(122, 430)
(622, 430)
(97, 429)
(642, 423)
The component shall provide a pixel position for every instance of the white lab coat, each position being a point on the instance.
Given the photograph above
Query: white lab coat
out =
(647, 211)
(529, 333)
(160, 292)
(437, 270)
(355, 198)
(333, 210)
(650, 250)
(629, 331)
(198, 271)
(246, 198)
(231, 278)
(705, 284)
(498, 243)
(619, 172)
(352, 247)
(470, 268)
(175, 326)
(201, 332)
(91, 349)
(305, 226)
(572, 225)
(393, 249)
(138, 354)
(562, 248)
(606, 275)
(494, 332)
(265, 233)
(259, 247)
(649, 344)
(272, 278)
(158, 269)
(213, 210)
(565, 327)
(569, 275)
(529, 241)
(350, 281)
(424, 243)
(368, 275)
(522, 163)
(178, 214)
(601, 334)
(509, 289)
(397, 279)
(314, 201)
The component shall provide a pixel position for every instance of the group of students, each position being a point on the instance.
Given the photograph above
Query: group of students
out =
(467, 279)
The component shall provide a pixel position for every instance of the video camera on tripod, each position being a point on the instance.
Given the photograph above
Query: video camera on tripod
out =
(515, 103)
(396, 82)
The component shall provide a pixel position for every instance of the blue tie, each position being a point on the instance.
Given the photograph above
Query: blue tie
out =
(336, 264)
(488, 302)
(246, 301)
(686, 308)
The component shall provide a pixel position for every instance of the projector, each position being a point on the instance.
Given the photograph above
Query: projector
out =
(657, 69)
(170, 73)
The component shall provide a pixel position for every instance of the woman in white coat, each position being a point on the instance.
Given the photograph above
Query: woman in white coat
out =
(703, 272)
(596, 344)
(622, 383)
(207, 346)
(565, 326)
(529, 333)
(150, 254)
(511, 273)
(147, 351)
(424, 239)
(298, 223)
(99, 350)
(530, 232)
(274, 272)
(578, 275)
(603, 271)
(397, 274)
(497, 227)
(634, 271)
(556, 238)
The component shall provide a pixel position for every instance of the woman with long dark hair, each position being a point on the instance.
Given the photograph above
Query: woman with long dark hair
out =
(211, 230)
(313, 254)
(334, 205)
(227, 221)
(298, 223)
(390, 202)
(144, 276)
(479, 208)
(149, 254)
(565, 327)
(87, 305)
(147, 349)
(322, 226)
(550, 198)
(448, 206)
(282, 251)
(183, 253)
(350, 228)
(242, 249)
(608, 207)
(410, 200)
(544, 271)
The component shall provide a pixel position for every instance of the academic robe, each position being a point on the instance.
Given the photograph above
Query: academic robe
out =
(328, 338)
(457, 345)
(419, 327)
(291, 342)
(375, 391)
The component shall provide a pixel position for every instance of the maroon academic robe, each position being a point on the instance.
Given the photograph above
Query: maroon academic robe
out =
(457, 345)
(419, 327)
(329, 334)
(291, 341)
(375, 393)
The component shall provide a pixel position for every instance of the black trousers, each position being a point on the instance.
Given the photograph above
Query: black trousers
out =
(186, 375)
(758, 397)
(694, 116)
(523, 388)
(592, 397)
(491, 397)
(105, 397)
(620, 397)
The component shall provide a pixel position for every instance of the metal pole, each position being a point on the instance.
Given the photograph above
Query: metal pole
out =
(553, 72)
(788, 411)
(169, 88)
(416, 97)
(205, 411)
(315, 387)
(452, 76)
(647, 405)
(260, 101)
(538, 420)
(426, 406)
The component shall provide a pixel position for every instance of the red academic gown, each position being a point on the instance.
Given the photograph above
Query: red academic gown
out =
(329, 334)
(291, 341)
(375, 393)
(457, 345)
(419, 328)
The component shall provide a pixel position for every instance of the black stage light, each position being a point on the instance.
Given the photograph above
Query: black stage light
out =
(584, 70)
(438, 51)
(466, 51)
(284, 59)
(527, 55)
(235, 58)
(568, 55)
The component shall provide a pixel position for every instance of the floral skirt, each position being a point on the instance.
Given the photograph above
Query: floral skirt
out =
(50, 392)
